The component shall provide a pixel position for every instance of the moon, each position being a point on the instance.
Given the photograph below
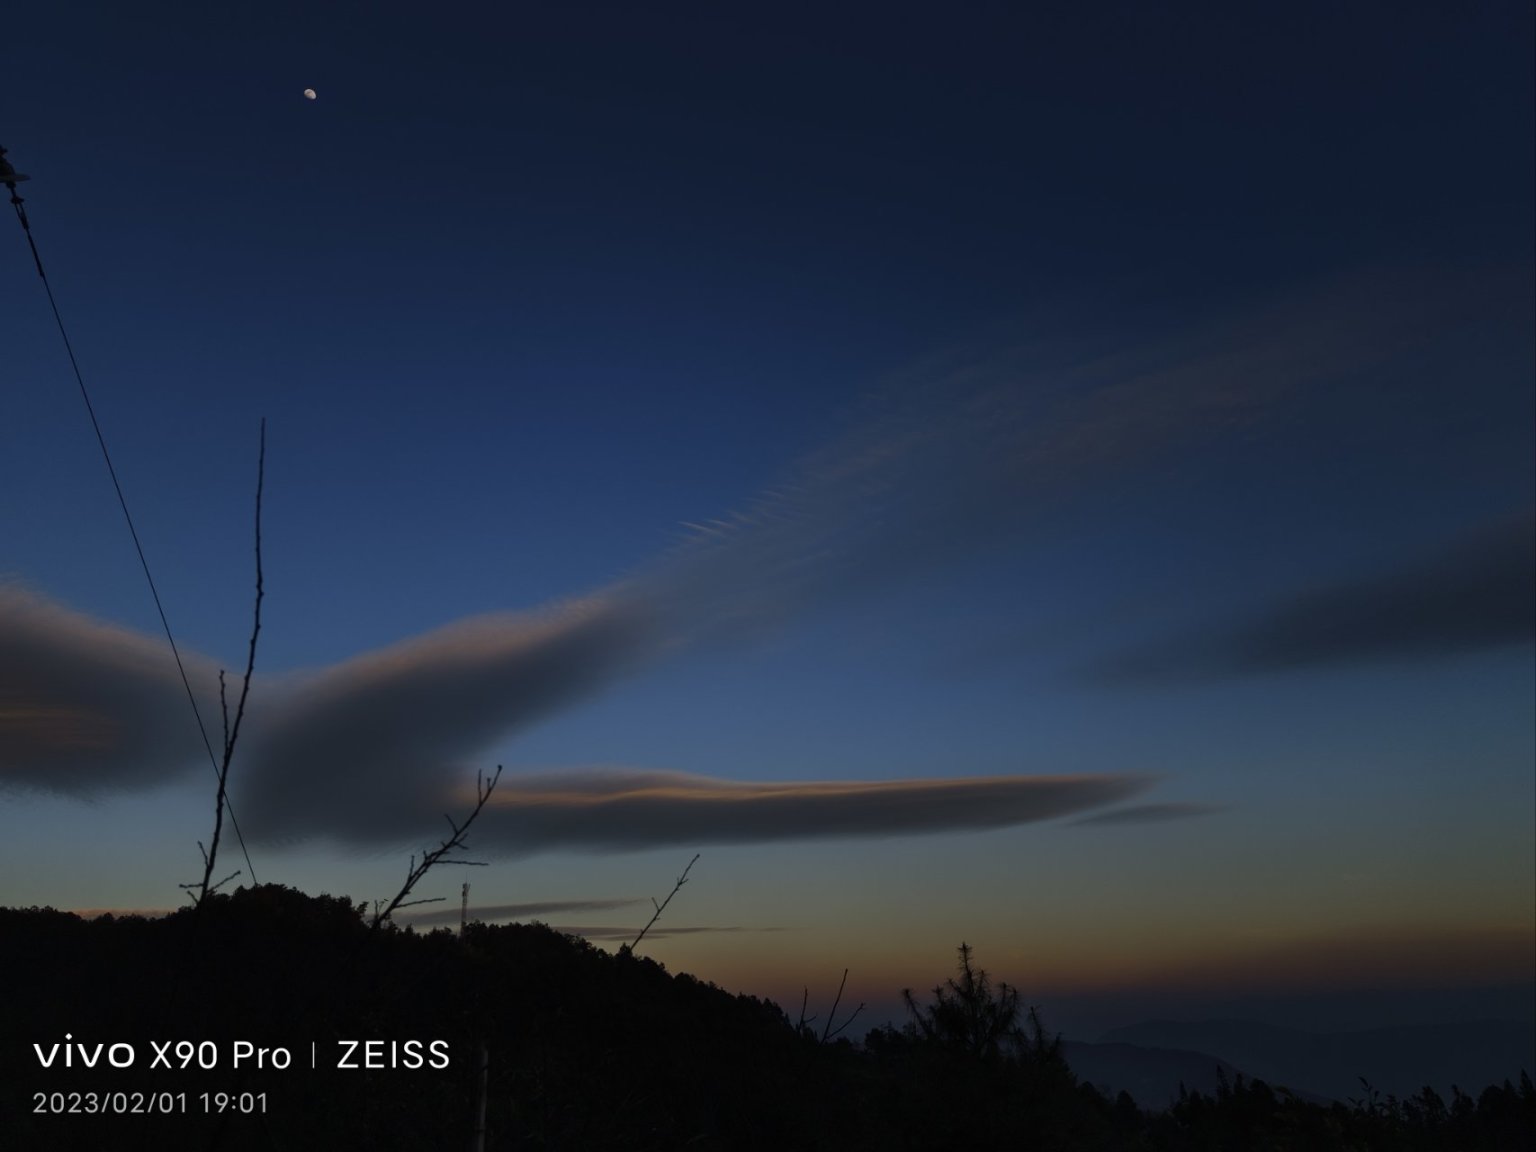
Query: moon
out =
(309, 93)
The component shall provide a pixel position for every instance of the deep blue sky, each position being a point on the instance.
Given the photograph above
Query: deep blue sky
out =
(1103, 390)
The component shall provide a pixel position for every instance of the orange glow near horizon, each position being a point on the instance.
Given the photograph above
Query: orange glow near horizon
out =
(1409, 957)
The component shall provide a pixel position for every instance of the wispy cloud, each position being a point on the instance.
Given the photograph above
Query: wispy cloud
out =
(1473, 593)
(658, 932)
(1150, 813)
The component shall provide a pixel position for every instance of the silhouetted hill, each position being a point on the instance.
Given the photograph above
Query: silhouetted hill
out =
(1396, 1061)
(586, 1049)
(123, 1034)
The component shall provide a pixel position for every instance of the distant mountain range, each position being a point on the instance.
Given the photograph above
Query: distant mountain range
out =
(1152, 1076)
(1152, 1059)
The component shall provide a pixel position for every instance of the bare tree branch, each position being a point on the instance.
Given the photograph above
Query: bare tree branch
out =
(429, 859)
(223, 711)
(662, 907)
(828, 1032)
(805, 996)
(202, 889)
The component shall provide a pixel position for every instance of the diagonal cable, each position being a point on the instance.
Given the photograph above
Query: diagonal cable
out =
(26, 226)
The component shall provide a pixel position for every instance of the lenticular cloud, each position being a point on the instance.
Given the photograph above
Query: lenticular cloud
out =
(618, 811)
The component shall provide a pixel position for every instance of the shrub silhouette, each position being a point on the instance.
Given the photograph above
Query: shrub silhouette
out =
(970, 1017)
(971, 1069)
(967, 1015)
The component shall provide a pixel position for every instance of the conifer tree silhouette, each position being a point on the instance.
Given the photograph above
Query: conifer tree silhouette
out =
(969, 1016)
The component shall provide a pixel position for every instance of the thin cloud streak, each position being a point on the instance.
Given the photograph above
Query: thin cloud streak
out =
(498, 913)
(658, 932)
(1150, 814)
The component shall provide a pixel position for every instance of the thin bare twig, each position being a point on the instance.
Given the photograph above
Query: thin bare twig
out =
(429, 859)
(662, 907)
(201, 890)
(805, 997)
(828, 1032)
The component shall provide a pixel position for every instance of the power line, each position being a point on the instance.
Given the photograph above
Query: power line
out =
(11, 176)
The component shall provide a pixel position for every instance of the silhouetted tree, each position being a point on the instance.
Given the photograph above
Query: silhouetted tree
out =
(968, 1015)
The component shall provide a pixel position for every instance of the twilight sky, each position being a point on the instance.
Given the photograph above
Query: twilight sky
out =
(1054, 476)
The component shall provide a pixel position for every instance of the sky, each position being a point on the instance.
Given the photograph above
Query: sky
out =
(1057, 477)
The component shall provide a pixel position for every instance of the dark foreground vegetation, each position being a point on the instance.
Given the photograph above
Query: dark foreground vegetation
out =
(582, 1049)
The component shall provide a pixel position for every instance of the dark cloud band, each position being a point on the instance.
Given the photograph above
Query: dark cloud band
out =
(87, 706)
(373, 741)
(1473, 594)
